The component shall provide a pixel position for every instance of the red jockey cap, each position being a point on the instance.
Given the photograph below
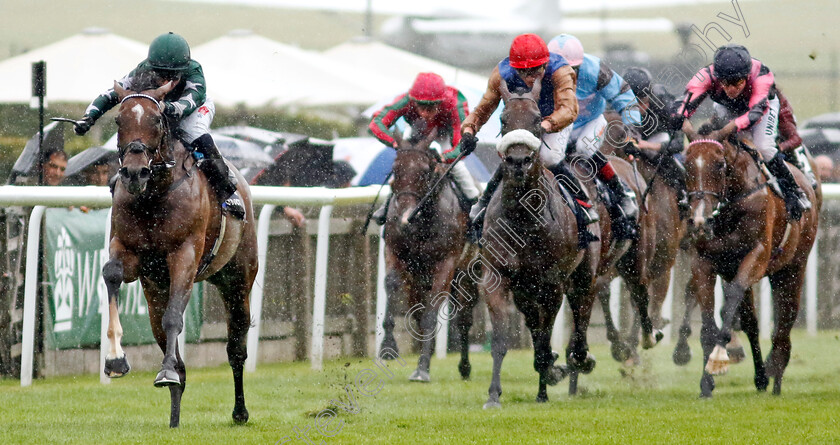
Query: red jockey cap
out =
(428, 87)
(528, 51)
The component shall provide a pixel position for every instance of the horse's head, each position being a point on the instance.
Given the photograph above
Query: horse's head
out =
(521, 129)
(142, 135)
(414, 173)
(706, 171)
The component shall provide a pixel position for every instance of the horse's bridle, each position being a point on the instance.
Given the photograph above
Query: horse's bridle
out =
(428, 153)
(700, 194)
(167, 164)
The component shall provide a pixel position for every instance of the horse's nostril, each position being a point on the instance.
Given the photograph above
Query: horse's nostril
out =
(123, 172)
(145, 173)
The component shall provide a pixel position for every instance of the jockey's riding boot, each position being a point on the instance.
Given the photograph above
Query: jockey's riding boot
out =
(478, 209)
(381, 214)
(799, 159)
(623, 209)
(795, 199)
(221, 177)
(585, 213)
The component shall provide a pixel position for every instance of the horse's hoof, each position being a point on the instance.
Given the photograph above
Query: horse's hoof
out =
(419, 376)
(777, 386)
(116, 367)
(542, 398)
(167, 377)
(736, 355)
(492, 404)
(682, 354)
(553, 375)
(465, 369)
(587, 365)
(388, 345)
(761, 382)
(620, 351)
(707, 385)
(718, 363)
(240, 417)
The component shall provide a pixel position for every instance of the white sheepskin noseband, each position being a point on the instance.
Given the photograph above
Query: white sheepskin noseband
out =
(520, 136)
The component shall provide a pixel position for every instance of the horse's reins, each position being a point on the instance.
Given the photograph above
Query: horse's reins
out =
(724, 201)
(159, 104)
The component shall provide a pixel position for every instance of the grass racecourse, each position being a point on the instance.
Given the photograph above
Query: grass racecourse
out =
(656, 403)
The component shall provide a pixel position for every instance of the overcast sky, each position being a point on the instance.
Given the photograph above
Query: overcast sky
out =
(475, 7)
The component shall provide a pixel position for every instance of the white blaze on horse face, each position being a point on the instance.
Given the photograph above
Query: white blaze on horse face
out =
(699, 220)
(138, 112)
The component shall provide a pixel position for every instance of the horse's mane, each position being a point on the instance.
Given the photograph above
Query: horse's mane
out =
(520, 91)
(146, 80)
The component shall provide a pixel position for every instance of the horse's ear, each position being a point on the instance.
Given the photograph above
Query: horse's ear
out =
(121, 92)
(427, 142)
(536, 89)
(397, 137)
(504, 91)
(161, 92)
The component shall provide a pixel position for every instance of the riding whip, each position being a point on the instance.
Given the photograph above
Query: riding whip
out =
(373, 204)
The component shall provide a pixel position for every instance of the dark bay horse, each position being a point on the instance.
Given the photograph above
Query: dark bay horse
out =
(739, 231)
(421, 254)
(531, 251)
(661, 230)
(165, 230)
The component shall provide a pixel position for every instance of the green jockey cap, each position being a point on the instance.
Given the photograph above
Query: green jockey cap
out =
(169, 52)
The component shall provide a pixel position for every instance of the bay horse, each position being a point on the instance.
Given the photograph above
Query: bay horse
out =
(531, 251)
(739, 230)
(661, 230)
(421, 254)
(165, 229)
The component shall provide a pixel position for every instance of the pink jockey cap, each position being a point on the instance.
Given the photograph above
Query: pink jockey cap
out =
(569, 47)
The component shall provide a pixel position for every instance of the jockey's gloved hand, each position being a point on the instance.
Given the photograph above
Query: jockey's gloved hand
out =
(675, 123)
(171, 111)
(83, 125)
(468, 143)
(673, 146)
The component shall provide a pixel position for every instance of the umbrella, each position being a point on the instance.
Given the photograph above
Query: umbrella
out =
(242, 154)
(28, 159)
(372, 160)
(88, 157)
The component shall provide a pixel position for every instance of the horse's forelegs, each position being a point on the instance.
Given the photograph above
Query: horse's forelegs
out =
(392, 285)
(640, 297)
(181, 263)
(116, 363)
(498, 305)
(787, 287)
(749, 324)
(464, 323)
(238, 325)
(618, 348)
(682, 351)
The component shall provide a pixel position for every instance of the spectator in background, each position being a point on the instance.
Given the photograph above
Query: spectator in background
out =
(825, 168)
(53, 164)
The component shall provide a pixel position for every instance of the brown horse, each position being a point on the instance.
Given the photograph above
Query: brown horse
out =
(165, 229)
(421, 253)
(661, 230)
(531, 251)
(739, 230)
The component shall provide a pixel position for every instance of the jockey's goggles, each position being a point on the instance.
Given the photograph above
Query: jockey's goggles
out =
(527, 72)
(427, 103)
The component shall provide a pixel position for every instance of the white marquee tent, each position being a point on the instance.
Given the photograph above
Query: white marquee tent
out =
(244, 68)
(78, 68)
(400, 66)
